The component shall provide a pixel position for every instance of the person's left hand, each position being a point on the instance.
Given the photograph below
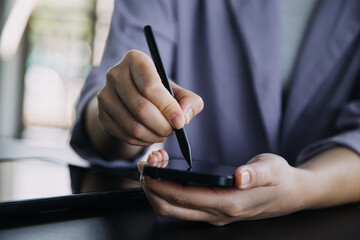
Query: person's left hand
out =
(265, 187)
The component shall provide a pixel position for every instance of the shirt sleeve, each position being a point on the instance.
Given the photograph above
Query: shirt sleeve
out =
(348, 125)
(126, 33)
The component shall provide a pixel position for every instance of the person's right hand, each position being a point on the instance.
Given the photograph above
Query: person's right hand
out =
(135, 107)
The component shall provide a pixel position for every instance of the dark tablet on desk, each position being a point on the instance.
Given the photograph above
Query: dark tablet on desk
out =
(201, 173)
(39, 187)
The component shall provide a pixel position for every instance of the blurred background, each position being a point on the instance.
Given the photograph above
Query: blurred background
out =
(47, 48)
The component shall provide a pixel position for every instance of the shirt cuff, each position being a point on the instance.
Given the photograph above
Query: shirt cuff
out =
(350, 139)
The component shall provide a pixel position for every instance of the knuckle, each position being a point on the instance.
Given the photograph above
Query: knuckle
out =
(179, 200)
(114, 73)
(273, 167)
(111, 75)
(149, 87)
(131, 141)
(101, 96)
(139, 60)
(132, 54)
(169, 107)
(142, 110)
(233, 211)
(161, 139)
(162, 210)
(165, 132)
(136, 130)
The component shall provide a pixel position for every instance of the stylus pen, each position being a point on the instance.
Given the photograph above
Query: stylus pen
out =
(180, 133)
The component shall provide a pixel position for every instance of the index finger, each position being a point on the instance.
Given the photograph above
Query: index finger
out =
(148, 82)
(196, 197)
(232, 202)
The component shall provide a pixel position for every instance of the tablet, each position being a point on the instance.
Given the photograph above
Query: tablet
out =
(202, 173)
(45, 187)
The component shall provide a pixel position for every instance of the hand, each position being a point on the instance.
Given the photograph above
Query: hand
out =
(135, 107)
(265, 187)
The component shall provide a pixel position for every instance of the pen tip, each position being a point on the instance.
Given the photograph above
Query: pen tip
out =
(189, 160)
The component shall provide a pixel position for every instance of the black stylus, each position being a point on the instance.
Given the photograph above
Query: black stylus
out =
(180, 134)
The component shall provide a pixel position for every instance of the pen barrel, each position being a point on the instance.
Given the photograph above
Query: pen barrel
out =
(155, 55)
(180, 133)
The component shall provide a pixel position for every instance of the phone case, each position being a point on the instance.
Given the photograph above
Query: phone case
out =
(189, 177)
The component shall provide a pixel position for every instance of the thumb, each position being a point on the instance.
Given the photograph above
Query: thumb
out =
(262, 170)
(190, 102)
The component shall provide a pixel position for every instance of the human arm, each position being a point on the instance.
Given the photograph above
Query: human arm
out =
(274, 189)
(336, 174)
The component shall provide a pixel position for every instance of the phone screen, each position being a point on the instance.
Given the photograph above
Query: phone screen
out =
(202, 173)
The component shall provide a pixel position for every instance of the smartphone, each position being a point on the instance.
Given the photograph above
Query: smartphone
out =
(201, 174)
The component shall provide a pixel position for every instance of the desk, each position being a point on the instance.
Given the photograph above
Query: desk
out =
(137, 221)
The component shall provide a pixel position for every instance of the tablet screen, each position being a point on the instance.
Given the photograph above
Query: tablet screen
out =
(25, 179)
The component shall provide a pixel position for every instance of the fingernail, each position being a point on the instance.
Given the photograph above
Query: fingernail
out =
(176, 121)
(245, 179)
(151, 158)
(189, 115)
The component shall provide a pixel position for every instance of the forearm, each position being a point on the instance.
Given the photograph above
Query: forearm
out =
(106, 144)
(331, 178)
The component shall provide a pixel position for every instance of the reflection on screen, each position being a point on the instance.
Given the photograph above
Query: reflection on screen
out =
(21, 180)
(33, 178)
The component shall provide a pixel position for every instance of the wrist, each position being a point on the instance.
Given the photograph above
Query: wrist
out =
(305, 193)
(332, 178)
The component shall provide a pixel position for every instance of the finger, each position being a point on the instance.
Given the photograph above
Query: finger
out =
(163, 158)
(262, 170)
(114, 106)
(190, 103)
(186, 196)
(168, 209)
(148, 82)
(164, 154)
(141, 108)
(226, 204)
(112, 127)
(158, 158)
(162, 161)
(153, 160)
